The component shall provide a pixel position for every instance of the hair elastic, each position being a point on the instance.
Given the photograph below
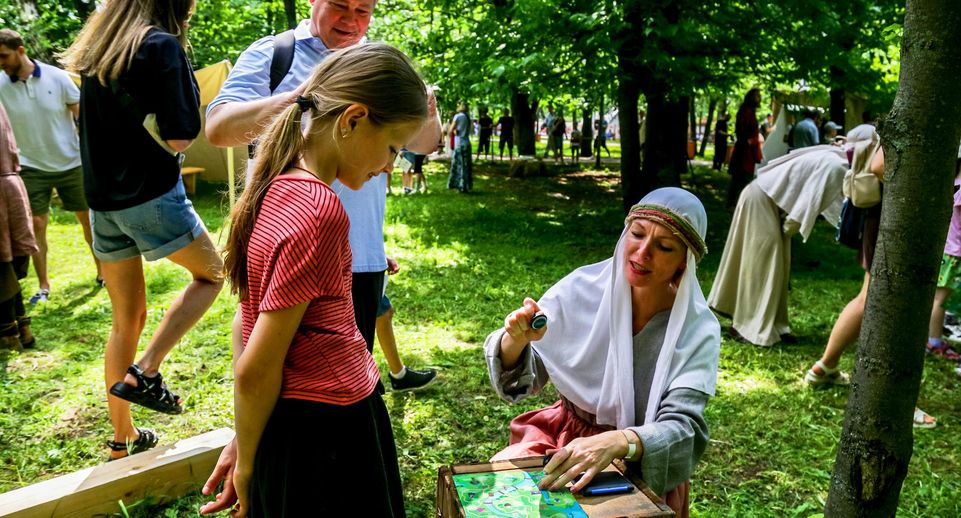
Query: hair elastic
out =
(305, 103)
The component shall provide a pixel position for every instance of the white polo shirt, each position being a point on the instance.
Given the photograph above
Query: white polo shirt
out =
(42, 123)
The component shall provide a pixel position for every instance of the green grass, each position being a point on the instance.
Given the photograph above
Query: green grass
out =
(466, 261)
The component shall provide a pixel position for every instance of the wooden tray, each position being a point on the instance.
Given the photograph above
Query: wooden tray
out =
(642, 503)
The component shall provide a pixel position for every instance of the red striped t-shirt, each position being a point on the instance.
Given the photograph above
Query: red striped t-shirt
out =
(299, 252)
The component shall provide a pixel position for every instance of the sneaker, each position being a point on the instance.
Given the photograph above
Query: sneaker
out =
(40, 296)
(827, 377)
(412, 380)
(942, 349)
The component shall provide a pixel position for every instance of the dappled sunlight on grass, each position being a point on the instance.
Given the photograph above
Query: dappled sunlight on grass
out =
(466, 261)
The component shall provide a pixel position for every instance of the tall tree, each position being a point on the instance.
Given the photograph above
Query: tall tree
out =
(290, 11)
(920, 138)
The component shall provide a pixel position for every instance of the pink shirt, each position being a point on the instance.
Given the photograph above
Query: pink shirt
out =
(953, 244)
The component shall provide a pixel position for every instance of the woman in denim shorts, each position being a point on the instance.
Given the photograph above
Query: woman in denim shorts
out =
(139, 109)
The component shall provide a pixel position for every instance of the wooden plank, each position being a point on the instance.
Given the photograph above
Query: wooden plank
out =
(163, 474)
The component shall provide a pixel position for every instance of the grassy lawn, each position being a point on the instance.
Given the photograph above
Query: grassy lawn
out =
(466, 261)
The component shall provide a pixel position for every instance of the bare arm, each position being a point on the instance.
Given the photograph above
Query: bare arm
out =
(74, 110)
(179, 145)
(519, 333)
(238, 123)
(257, 382)
(877, 164)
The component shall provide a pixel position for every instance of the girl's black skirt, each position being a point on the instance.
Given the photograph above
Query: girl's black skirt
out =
(317, 459)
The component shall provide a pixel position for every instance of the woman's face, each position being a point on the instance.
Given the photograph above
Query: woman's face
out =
(653, 255)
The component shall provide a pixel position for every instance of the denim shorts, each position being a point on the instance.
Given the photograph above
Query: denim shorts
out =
(153, 229)
(383, 306)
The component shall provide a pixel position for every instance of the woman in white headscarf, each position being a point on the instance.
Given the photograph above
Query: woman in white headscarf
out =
(631, 347)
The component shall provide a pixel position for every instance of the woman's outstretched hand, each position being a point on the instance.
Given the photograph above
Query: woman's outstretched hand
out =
(518, 333)
(587, 455)
(518, 323)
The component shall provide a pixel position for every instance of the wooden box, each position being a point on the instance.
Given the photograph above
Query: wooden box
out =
(641, 503)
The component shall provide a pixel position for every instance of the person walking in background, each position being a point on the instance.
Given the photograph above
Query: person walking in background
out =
(555, 136)
(140, 78)
(505, 126)
(402, 378)
(413, 175)
(600, 141)
(949, 278)
(485, 125)
(575, 144)
(747, 147)
(547, 127)
(720, 141)
(767, 126)
(17, 243)
(805, 133)
(42, 103)
(868, 156)
(461, 170)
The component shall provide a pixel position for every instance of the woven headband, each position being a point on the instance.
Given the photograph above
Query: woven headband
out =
(678, 225)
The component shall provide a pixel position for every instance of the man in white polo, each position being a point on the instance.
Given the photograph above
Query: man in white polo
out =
(43, 103)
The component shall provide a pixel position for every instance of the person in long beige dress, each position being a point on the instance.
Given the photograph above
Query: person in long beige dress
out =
(751, 286)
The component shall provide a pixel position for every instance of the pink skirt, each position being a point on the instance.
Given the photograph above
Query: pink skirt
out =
(535, 432)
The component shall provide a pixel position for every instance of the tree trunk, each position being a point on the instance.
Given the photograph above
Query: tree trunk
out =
(692, 119)
(919, 138)
(523, 123)
(83, 7)
(587, 133)
(837, 97)
(633, 186)
(290, 10)
(665, 147)
(707, 126)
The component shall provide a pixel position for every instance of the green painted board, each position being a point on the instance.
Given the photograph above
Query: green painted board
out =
(513, 493)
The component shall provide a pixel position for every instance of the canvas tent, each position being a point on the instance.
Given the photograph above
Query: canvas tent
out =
(219, 164)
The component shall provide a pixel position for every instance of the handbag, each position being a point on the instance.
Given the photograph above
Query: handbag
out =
(860, 185)
(851, 225)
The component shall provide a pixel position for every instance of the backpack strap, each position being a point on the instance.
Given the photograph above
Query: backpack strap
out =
(282, 58)
(280, 63)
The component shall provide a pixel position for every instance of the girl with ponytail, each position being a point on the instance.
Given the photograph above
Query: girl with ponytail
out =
(308, 419)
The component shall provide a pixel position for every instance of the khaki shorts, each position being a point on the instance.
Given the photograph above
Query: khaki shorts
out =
(40, 186)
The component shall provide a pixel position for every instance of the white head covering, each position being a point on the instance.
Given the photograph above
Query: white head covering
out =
(805, 183)
(588, 347)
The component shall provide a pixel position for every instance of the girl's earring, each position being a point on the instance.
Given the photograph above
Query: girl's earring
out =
(344, 132)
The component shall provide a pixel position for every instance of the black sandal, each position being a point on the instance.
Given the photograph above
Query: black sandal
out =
(146, 439)
(151, 393)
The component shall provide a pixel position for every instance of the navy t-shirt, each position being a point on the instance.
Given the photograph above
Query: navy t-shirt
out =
(123, 166)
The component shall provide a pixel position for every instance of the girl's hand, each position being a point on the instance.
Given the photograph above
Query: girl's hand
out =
(518, 324)
(242, 487)
(223, 472)
(588, 455)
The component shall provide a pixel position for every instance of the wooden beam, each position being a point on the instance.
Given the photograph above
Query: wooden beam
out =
(163, 473)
